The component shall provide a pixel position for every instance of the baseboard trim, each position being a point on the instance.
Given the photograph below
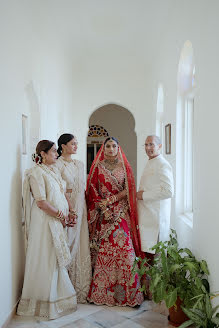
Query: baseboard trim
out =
(10, 316)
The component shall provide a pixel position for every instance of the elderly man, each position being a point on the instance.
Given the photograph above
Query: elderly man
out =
(156, 189)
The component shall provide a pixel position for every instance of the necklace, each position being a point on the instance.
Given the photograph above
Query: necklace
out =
(52, 172)
(111, 164)
(67, 160)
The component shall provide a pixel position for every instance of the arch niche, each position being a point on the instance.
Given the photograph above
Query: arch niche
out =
(119, 122)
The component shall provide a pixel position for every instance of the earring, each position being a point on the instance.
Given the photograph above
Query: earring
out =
(63, 151)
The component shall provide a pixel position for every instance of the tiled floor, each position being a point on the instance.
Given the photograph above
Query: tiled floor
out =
(147, 315)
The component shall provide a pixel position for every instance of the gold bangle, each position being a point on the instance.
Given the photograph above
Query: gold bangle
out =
(60, 216)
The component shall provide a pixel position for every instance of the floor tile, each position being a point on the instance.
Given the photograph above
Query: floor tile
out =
(81, 323)
(148, 315)
(128, 311)
(83, 310)
(105, 318)
(150, 319)
(160, 308)
(128, 324)
(24, 322)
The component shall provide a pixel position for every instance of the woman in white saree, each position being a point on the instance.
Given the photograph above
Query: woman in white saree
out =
(47, 290)
(72, 171)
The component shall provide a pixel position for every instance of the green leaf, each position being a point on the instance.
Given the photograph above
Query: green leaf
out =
(198, 282)
(164, 262)
(156, 297)
(174, 267)
(197, 296)
(204, 289)
(208, 306)
(204, 267)
(193, 316)
(214, 310)
(191, 266)
(186, 324)
(156, 280)
(196, 303)
(206, 284)
(143, 289)
(215, 320)
(161, 289)
(187, 251)
(199, 313)
(171, 297)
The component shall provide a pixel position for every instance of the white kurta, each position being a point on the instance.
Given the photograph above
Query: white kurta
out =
(79, 269)
(47, 290)
(154, 209)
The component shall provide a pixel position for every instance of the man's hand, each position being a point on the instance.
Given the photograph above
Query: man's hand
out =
(139, 195)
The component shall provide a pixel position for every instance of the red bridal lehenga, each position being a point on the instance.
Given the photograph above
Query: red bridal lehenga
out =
(114, 239)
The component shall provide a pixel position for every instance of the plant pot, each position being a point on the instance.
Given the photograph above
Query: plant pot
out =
(176, 315)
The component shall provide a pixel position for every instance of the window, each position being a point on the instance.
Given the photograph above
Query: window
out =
(185, 135)
(96, 136)
(188, 157)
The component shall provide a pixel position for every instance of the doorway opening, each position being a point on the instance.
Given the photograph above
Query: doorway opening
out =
(115, 121)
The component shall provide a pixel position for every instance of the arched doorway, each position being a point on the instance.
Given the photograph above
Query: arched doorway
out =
(118, 122)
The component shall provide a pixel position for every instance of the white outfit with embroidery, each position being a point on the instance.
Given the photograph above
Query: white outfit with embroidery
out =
(72, 173)
(47, 290)
(154, 209)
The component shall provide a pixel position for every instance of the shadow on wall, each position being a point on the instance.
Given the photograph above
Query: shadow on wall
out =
(17, 241)
(120, 123)
(34, 119)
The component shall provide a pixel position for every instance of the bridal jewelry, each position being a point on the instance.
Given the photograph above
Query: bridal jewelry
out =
(110, 164)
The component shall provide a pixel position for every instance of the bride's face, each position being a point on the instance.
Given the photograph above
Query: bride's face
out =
(111, 148)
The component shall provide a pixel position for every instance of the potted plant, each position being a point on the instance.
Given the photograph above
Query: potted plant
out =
(176, 277)
(202, 314)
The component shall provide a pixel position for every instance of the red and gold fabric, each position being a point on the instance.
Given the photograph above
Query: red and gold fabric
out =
(114, 236)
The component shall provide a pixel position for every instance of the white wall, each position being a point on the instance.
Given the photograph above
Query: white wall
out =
(30, 85)
(196, 21)
(108, 49)
(61, 60)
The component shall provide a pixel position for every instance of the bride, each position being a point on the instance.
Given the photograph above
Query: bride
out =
(112, 219)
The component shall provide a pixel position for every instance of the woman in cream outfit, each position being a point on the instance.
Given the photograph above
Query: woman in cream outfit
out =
(47, 290)
(72, 171)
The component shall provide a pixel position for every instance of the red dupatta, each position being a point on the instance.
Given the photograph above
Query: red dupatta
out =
(93, 197)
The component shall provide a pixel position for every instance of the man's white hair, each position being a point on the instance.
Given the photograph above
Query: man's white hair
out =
(157, 139)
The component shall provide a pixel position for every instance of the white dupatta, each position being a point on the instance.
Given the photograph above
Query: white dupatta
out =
(58, 234)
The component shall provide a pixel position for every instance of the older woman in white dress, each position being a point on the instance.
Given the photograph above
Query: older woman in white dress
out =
(47, 290)
(72, 171)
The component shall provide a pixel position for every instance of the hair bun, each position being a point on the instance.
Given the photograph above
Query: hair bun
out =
(36, 158)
